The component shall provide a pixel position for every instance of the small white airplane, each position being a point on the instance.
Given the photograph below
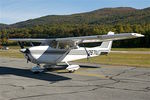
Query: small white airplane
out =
(63, 50)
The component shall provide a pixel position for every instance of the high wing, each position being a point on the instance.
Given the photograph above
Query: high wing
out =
(86, 39)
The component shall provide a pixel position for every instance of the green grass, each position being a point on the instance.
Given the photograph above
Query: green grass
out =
(131, 49)
(137, 60)
(12, 53)
(14, 47)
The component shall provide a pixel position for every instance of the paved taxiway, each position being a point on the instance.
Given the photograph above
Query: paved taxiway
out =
(91, 82)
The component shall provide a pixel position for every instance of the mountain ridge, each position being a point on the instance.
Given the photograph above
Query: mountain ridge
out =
(102, 16)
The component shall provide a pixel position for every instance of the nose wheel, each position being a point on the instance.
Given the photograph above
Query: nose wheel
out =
(37, 69)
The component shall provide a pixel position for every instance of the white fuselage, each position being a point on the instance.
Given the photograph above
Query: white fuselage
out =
(48, 55)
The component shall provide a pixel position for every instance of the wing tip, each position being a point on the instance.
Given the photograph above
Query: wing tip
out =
(137, 35)
(111, 33)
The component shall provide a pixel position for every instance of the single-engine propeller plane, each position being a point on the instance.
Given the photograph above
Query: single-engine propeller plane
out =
(63, 50)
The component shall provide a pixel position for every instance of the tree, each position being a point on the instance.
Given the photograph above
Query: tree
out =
(4, 37)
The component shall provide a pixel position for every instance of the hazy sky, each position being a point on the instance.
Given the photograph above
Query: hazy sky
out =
(12, 11)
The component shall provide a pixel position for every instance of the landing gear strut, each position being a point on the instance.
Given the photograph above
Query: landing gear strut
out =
(37, 69)
(72, 68)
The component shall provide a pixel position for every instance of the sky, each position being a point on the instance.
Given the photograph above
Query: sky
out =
(12, 11)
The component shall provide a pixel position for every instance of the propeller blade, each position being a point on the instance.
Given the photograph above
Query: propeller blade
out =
(21, 44)
(27, 53)
(28, 58)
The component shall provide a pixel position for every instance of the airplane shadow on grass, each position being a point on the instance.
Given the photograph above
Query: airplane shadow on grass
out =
(27, 73)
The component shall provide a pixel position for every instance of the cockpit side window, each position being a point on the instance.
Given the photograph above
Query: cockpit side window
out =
(64, 46)
(60, 45)
(53, 44)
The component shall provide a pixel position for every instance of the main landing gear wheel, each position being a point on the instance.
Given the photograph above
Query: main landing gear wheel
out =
(37, 69)
(72, 71)
(72, 68)
(49, 67)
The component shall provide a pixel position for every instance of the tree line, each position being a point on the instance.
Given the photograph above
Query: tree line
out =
(72, 30)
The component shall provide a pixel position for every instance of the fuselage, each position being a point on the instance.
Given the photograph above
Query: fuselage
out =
(49, 55)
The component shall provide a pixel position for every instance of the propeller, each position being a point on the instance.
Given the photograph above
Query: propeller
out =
(21, 44)
(26, 51)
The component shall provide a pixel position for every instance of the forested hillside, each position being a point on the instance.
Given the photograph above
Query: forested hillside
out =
(2, 26)
(99, 22)
(122, 15)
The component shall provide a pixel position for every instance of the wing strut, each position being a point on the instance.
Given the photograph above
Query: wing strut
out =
(88, 55)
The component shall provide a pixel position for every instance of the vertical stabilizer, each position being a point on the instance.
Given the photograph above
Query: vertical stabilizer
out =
(107, 44)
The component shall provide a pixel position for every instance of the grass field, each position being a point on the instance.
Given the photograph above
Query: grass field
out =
(129, 59)
(137, 60)
(12, 53)
(131, 49)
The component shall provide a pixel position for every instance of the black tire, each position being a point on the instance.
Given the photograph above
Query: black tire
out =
(71, 71)
(36, 72)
